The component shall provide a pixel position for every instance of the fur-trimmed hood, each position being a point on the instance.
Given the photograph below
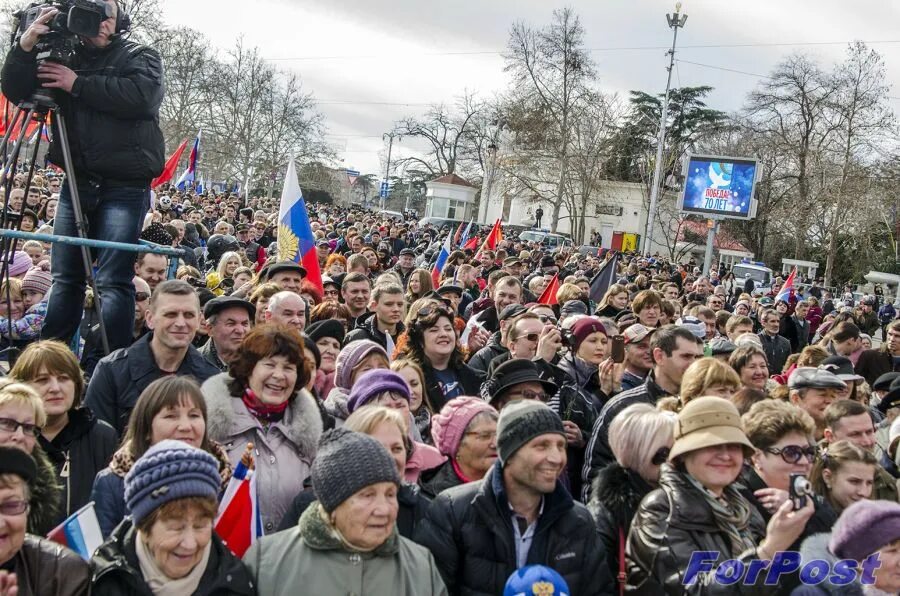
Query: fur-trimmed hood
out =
(45, 495)
(227, 415)
(616, 493)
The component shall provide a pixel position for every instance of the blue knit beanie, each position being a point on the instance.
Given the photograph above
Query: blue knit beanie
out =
(372, 384)
(169, 470)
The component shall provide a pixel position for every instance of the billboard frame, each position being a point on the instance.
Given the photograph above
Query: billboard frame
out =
(719, 215)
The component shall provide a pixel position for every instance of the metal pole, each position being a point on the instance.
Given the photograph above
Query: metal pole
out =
(710, 238)
(387, 169)
(76, 241)
(675, 22)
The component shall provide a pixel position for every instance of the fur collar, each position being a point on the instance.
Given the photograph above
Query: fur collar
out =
(302, 423)
(122, 461)
(816, 547)
(46, 494)
(619, 491)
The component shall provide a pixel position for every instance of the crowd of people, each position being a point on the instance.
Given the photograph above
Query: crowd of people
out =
(448, 433)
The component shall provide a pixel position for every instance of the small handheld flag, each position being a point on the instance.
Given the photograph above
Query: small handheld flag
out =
(548, 296)
(295, 237)
(190, 173)
(79, 532)
(171, 165)
(238, 523)
(788, 288)
(605, 278)
(441, 262)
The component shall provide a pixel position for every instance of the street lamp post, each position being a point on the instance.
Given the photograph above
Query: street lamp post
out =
(675, 22)
(387, 170)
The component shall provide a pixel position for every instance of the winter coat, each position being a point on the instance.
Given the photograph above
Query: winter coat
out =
(367, 328)
(45, 495)
(436, 480)
(614, 502)
(671, 523)
(108, 492)
(874, 363)
(816, 548)
(336, 404)
(117, 570)
(284, 451)
(311, 558)
(80, 450)
(491, 350)
(578, 400)
(45, 567)
(777, 350)
(120, 378)
(469, 530)
(412, 506)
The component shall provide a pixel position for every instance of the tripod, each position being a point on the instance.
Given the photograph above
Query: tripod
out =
(38, 108)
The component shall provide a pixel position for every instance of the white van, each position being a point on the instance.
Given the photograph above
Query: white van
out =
(761, 275)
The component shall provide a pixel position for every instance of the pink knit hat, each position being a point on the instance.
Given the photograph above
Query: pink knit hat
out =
(449, 426)
(21, 263)
(37, 279)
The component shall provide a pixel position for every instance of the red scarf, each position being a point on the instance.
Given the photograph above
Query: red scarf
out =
(262, 411)
(459, 472)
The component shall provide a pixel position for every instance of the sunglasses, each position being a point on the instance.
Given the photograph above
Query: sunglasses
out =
(8, 425)
(529, 337)
(429, 310)
(547, 319)
(141, 296)
(792, 454)
(661, 456)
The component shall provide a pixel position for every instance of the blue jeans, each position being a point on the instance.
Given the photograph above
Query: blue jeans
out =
(114, 214)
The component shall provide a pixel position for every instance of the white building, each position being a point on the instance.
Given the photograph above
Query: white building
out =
(451, 197)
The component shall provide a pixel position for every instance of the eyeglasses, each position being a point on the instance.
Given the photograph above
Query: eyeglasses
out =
(330, 293)
(529, 337)
(484, 435)
(792, 454)
(10, 426)
(661, 456)
(529, 394)
(16, 507)
(141, 296)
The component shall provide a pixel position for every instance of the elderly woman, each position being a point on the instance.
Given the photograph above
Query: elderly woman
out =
(432, 344)
(347, 541)
(31, 564)
(169, 408)
(640, 438)
(355, 359)
(387, 388)
(263, 400)
(22, 417)
(388, 427)
(465, 431)
(168, 545)
(698, 507)
(78, 444)
(750, 363)
(709, 376)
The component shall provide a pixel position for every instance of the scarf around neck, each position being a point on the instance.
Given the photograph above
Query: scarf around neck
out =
(731, 514)
(160, 583)
(264, 412)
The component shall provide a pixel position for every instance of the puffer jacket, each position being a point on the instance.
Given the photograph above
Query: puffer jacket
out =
(44, 567)
(112, 110)
(491, 350)
(469, 530)
(117, 570)
(435, 481)
(108, 492)
(80, 450)
(672, 523)
(313, 556)
(284, 450)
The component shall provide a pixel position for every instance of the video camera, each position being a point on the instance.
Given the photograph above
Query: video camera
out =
(75, 18)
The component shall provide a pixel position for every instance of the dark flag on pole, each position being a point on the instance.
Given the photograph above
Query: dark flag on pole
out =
(604, 278)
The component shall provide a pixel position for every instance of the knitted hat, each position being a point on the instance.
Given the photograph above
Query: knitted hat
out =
(37, 280)
(864, 527)
(350, 357)
(520, 422)
(694, 325)
(372, 384)
(583, 328)
(170, 470)
(346, 462)
(21, 263)
(449, 426)
(15, 461)
(156, 233)
(327, 328)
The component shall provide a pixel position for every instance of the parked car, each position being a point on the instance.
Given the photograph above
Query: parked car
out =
(546, 238)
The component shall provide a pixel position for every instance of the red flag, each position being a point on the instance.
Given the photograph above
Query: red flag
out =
(495, 236)
(549, 295)
(458, 234)
(471, 244)
(171, 165)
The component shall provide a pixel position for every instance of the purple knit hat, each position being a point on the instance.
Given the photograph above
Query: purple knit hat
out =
(21, 263)
(350, 357)
(863, 528)
(372, 384)
(449, 426)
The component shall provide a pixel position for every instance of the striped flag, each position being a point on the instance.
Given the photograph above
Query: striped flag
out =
(79, 532)
(295, 237)
(191, 171)
(171, 164)
(441, 260)
(788, 288)
(465, 235)
(238, 523)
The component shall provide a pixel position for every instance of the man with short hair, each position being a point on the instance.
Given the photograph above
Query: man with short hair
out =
(287, 308)
(795, 328)
(519, 514)
(776, 347)
(848, 420)
(813, 390)
(384, 325)
(406, 264)
(871, 364)
(673, 350)
(737, 326)
(356, 290)
(638, 360)
(119, 378)
(152, 268)
(497, 343)
(228, 321)
(508, 290)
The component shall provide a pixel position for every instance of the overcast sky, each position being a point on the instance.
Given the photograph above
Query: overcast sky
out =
(371, 62)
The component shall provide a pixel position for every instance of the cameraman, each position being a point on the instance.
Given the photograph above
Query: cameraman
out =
(110, 98)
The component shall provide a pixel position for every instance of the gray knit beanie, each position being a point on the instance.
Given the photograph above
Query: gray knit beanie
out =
(169, 470)
(347, 462)
(521, 421)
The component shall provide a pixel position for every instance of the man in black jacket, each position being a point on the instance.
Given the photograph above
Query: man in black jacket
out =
(110, 98)
(519, 514)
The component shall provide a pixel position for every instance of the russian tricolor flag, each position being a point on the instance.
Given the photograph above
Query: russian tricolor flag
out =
(295, 238)
(441, 260)
(238, 523)
(80, 532)
(788, 288)
(190, 173)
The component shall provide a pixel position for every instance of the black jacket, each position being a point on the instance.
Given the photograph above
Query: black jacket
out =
(117, 570)
(672, 523)
(120, 378)
(78, 453)
(112, 113)
(44, 567)
(469, 531)
(468, 377)
(436, 480)
(367, 328)
(491, 350)
(777, 350)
